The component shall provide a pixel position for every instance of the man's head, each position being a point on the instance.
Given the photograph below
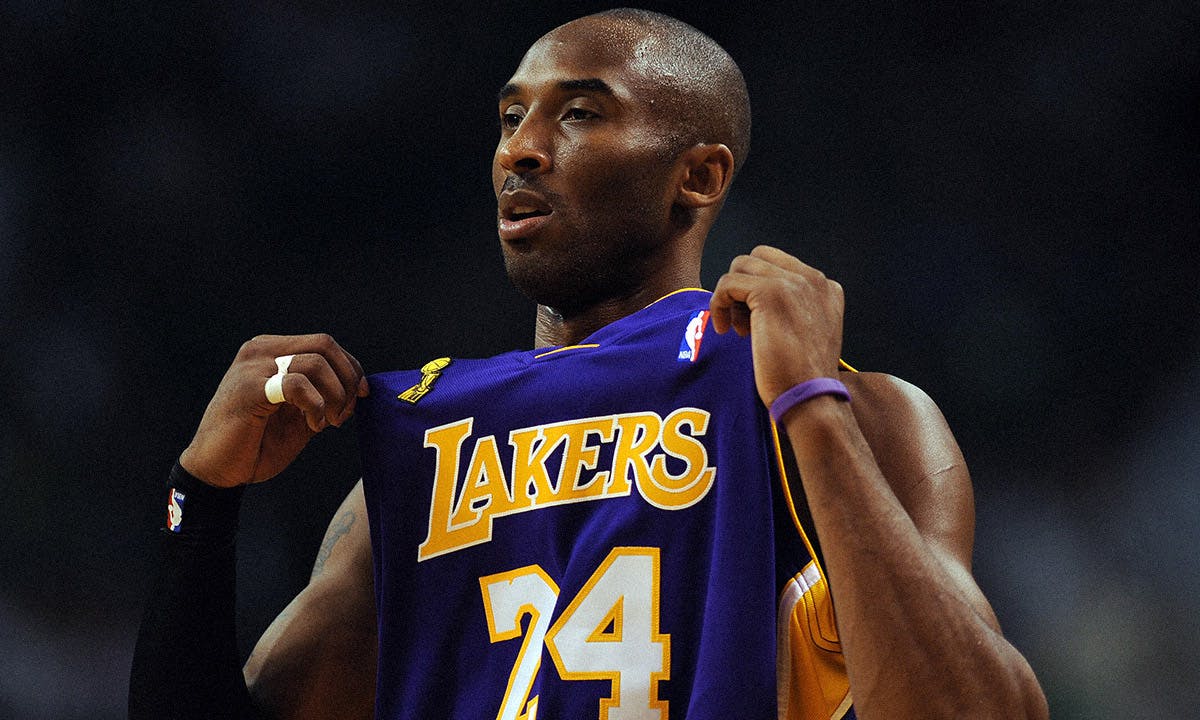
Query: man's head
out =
(620, 134)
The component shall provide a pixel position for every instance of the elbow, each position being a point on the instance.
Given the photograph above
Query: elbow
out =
(1019, 698)
(988, 701)
(1007, 691)
(1033, 699)
(1003, 696)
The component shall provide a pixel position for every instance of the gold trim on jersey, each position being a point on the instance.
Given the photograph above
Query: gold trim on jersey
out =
(810, 669)
(676, 292)
(539, 356)
(565, 347)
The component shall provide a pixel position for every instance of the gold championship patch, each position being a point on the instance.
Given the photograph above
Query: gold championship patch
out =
(430, 372)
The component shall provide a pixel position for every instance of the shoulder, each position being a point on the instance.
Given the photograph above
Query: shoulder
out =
(918, 455)
(894, 414)
(882, 393)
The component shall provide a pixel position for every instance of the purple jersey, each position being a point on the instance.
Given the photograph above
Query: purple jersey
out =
(593, 531)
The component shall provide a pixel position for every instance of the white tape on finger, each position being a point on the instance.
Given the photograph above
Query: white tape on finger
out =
(283, 362)
(274, 386)
(274, 389)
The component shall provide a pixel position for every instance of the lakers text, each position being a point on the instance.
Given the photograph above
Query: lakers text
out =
(558, 463)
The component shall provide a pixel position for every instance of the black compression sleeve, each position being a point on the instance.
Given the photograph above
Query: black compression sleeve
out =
(186, 664)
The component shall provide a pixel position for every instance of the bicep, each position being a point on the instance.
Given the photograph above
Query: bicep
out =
(318, 658)
(918, 455)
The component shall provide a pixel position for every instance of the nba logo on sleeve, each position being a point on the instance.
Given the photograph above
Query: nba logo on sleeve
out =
(689, 347)
(175, 510)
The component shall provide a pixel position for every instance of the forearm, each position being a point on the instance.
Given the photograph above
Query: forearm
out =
(318, 658)
(916, 641)
(186, 663)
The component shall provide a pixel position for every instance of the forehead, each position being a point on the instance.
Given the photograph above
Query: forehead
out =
(614, 52)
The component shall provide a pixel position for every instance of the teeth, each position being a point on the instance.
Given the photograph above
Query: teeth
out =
(523, 210)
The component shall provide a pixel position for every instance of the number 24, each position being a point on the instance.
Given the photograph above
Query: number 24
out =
(608, 632)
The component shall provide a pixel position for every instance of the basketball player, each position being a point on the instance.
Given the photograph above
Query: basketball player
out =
(603, 526)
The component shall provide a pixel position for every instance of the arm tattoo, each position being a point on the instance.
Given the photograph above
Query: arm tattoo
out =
(337, 529)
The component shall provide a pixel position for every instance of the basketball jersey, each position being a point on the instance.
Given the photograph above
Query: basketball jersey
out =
(593, 531)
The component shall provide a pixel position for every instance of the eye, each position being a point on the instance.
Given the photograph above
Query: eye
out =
(576, 114)
(511, 118)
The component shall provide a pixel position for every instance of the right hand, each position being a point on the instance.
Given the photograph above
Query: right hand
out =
(243, 438)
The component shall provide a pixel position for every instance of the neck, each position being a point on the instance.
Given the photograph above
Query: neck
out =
(554, 328)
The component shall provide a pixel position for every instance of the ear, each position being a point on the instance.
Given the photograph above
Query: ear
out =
(707, 172)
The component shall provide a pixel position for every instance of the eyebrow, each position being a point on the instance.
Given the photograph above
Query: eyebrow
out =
(591, 84)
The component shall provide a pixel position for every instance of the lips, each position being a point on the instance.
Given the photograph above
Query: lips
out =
(521, 213)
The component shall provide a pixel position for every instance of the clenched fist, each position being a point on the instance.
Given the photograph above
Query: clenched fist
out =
(245, 438)
(792, 313)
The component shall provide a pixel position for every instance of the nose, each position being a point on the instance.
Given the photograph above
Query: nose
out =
(526, 150)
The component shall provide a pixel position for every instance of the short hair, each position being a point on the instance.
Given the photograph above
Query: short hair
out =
(707, 100)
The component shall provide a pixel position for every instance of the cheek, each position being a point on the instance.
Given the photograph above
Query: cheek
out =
(631, 180)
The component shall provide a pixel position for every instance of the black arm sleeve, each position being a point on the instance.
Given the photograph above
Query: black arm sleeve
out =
(186, 663)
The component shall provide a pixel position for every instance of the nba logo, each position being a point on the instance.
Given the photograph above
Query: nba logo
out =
(175, 510)
(689, 347)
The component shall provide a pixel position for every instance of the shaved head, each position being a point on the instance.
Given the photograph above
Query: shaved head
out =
(700, 93)
(619, 135)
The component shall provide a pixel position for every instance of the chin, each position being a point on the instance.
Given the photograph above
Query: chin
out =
(571, 276)
(540, 292)
(546, 287)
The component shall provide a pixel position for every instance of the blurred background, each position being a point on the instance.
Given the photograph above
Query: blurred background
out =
(1007, 192)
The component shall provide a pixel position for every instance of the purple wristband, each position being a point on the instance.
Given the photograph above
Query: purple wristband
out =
(807, 390)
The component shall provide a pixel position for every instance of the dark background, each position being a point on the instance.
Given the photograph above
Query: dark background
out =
(1007, 193)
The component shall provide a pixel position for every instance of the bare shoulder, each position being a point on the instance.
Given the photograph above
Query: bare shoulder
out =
(917, 453)
(900, 420)
(318, 658)
(888, 400)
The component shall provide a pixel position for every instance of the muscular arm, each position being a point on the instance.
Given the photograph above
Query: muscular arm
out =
(318, 658)
(186, 661)
(891, 501)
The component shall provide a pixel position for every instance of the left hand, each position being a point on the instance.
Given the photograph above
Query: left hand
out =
(792, 313)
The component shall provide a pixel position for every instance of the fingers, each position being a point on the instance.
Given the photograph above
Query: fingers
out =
(765, 275)
(795, 311)
(349, 372)
(766, 261)
(730, 304)
(243, 437)
(779, 258)
(300, 392)
(312, 386)
(323, 380)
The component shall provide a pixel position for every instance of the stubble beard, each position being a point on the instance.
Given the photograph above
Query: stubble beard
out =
(582, 275)
(610, 247)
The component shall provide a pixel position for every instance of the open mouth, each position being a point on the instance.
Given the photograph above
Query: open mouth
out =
(520, 223)
(522, 212)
